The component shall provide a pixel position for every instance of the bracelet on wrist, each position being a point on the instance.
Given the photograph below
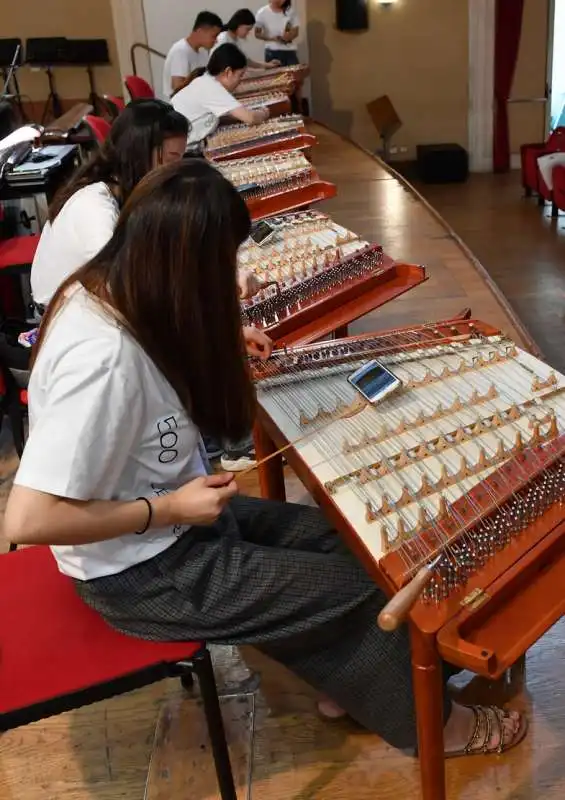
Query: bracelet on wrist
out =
(149, 517)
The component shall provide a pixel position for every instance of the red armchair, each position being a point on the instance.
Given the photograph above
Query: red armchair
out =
(559, 188)
(532, 181)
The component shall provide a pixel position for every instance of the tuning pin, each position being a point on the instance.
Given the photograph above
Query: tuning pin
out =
(442, 511)
(364, 476)
(387, 507)
(426, 487)
(371, 513)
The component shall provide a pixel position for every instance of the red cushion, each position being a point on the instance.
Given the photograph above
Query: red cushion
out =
(18, 251)
(52, 644)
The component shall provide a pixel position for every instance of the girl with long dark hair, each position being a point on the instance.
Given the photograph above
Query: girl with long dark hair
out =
(129, 371)
(83, 214)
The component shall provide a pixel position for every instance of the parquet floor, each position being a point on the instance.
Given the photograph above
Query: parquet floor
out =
(152, 743)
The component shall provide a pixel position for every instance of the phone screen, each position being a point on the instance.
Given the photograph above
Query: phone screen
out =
(261, 231)
(373, 381)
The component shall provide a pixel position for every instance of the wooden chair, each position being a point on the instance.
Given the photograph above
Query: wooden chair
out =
(56, 654)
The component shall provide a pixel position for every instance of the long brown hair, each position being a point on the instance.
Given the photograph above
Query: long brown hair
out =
(127, 154)
(169, 275)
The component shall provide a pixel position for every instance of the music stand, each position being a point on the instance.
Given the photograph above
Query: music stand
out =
(11, 58)
(386, 121)
(46, 53)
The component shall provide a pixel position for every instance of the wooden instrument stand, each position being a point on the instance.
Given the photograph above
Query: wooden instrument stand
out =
(518, 596)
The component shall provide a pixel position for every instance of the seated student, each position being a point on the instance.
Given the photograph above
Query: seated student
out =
(140, 351)
(236, 32)
(83, 214)
(211, 93)
(191, 53)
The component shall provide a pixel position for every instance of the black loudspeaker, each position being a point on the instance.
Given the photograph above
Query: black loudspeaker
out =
(352, 15)
(442, 163)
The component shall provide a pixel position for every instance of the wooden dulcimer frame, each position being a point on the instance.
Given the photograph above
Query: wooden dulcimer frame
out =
(260, 147)
(281, 201)
(332, 307)
(485, 626)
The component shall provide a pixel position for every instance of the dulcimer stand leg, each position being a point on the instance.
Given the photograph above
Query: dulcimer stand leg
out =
(271, 473)
(427, 676)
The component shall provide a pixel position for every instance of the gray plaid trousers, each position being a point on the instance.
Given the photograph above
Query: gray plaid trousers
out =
(276, 576)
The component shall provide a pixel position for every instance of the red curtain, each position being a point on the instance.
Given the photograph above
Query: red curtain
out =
(507, 42)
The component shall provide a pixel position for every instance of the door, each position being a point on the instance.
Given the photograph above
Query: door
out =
(556, 64)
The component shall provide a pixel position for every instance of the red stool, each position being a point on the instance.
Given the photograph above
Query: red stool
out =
(16, 258)
(56, 654)
(100, 128)
(138, 88)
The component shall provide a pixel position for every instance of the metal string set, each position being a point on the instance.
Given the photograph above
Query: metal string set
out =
(261, 175)
(314, 256)
(235, 136)
(467, 527)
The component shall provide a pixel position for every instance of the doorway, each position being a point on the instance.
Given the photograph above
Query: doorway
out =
(556, 66)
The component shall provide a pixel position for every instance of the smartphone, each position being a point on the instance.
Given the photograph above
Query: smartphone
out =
(262, 232)
(374, 381)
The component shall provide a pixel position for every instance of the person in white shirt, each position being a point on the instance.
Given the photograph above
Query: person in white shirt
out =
(278, 26)
(211, 93)
(83, 214)
(190, 54)
(140, 351)
(236, 32)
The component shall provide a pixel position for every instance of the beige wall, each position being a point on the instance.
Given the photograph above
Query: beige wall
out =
(81, 19)
(416, 52)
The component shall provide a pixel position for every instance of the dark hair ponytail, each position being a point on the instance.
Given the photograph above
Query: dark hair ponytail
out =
(241, 17)
(127, 154)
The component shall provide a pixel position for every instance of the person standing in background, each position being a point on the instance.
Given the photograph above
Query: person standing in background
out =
(191, 53)
(236, 32)
(278, 26)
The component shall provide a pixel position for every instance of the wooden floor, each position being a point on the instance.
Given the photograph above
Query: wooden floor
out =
(103, 752)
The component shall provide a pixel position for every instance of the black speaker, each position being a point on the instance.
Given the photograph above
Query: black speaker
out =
(352, 15)
(442, 163)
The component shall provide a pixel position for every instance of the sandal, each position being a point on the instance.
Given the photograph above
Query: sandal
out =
(490, 720)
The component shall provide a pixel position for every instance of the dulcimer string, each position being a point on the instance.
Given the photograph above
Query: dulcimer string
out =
(414, 337)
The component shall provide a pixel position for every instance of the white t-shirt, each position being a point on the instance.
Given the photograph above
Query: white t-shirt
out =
(81, 229)
(181, 61)
(104, 424)
(274, 24)
(204, 95)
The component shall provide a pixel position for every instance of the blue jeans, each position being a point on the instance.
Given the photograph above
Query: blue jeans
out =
(287, 58)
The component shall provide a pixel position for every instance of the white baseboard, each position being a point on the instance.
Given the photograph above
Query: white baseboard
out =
(515, 162)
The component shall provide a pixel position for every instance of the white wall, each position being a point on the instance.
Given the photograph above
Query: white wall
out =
(169, 20)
